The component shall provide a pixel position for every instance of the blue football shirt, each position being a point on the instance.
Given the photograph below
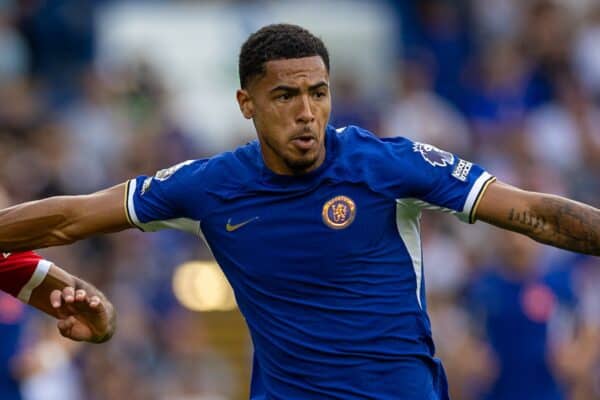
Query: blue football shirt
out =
(326, 267)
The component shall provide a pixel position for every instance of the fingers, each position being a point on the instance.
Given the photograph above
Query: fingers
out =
(68, 298)
(80, 295)
(94, 302)
(56, 298)
(82, 315)
(60, 297)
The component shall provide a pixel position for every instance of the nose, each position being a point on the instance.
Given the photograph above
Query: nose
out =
(305, 113)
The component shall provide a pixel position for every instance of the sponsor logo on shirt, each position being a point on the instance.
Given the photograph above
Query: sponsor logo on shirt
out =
(433, 155)
(339, 212)
(461, 171)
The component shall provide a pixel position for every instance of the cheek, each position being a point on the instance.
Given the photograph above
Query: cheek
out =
(267, 122)
(280, 113)
(325, 110)
(277, 118)
(268, 113)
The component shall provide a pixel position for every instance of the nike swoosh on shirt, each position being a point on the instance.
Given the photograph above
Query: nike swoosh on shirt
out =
(5, 255)
(231, 228)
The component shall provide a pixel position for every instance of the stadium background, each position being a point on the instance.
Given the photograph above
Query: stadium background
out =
(93, 92)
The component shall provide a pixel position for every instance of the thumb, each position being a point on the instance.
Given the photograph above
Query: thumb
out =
(65, 326)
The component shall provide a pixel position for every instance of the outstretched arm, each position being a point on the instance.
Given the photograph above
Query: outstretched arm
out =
(546, 218)
(62, 219)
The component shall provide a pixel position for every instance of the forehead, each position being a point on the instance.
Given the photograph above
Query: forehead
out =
(294, 70)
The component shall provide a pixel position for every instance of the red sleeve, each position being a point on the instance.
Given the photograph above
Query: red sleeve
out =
(22, 272)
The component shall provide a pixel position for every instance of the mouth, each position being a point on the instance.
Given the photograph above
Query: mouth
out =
(304, 142)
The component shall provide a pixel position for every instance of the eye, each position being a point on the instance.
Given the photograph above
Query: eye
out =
(284, 97)
(320, 94)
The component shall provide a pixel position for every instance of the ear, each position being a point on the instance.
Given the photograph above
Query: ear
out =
(245, 103)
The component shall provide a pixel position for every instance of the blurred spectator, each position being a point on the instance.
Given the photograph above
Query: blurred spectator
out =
(12, 317)
(515, 301)
(546, 40)
(349, 108)
(564, 136)
(496, 19)
(578, 355)
(61, 40)
(586, 52)
(445, 34)
(95, 137)
(468, 359)
(497, 103)
(14, 60)
(420, 114)
(46, 367)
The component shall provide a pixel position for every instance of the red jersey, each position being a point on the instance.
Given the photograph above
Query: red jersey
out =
(22, 272)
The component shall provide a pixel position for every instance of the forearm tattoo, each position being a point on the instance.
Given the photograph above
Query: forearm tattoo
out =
(562, 223)
(527, 219)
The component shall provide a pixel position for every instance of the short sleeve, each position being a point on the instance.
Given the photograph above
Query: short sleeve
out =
(169, 199)
(442, 180)
(21, 273)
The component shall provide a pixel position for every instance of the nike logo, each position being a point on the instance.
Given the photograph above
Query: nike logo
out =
(231, 228)
(5, 255)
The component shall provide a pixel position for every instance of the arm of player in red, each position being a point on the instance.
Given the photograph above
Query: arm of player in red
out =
(83, 312)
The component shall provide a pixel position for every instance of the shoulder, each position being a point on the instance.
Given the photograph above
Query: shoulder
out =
(355, 140)
(352, 135)
(236, 165)
(223, 166)
(360, 147)
(382, 164)
(223, 174)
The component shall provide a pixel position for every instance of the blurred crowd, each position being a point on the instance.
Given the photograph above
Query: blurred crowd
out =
(512, 85)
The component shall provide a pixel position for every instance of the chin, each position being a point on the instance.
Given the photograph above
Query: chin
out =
(301, 164)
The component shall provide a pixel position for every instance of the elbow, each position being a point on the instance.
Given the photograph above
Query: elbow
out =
(71, 229)
(66, 231)
(58, 237)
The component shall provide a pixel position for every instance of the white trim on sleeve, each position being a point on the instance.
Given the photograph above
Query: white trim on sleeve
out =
(41, 270)
(478, 186)
(130, 206)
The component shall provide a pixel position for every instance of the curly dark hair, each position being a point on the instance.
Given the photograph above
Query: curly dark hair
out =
(277, 42)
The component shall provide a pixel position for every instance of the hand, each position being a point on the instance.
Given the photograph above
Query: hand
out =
(82, 317)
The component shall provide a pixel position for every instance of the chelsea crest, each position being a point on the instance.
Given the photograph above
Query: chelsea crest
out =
(339, 212)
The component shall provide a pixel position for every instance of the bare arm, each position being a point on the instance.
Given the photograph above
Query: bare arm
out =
(84, 313)
(62, 219)
(546, 218)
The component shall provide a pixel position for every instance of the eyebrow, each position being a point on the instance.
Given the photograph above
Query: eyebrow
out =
(296, 89)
